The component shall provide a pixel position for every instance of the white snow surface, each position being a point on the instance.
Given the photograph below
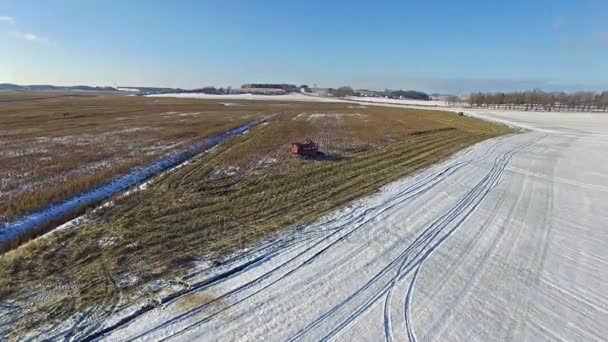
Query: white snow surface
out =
(507, 240)
(287, 97)
(430, 103)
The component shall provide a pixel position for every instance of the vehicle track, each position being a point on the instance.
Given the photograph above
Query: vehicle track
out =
(465, 206)
(428, 180)
(431, 179)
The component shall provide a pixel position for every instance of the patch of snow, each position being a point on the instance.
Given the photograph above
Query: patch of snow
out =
(127, 280)
(212, 149)
(72, 223)
(133, 129)
(266, 161)
(107, 241)
(23, 152)
(431, 103)
(287, 97)
(300, 116)
(316, 116)
(227, 171)
(313, 116)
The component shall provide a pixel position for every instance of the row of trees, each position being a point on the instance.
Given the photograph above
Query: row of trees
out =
(537, 100)
(337, 92)
(342, 91)
(213, 90)
(288, 88)
(229, 90)
(407, 94)
(392, 94)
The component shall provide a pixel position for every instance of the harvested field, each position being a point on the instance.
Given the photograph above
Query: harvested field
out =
(24, 96)
(246, 190)
(10, 97)
(56, 148)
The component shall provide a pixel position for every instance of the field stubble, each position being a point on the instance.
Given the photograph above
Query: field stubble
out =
(56, 148)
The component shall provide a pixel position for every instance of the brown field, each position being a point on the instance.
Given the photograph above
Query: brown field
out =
(18, 96)
(30, 96)
(56, 148)
(246, 190)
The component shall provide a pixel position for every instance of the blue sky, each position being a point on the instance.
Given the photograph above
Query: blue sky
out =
(444, 46)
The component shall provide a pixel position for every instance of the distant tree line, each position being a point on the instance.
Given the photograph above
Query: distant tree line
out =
(212, 90)
(392, 94)
(288, 88)
(407, 94)
(342, 91)
(227, 90)
(537, 100)
(43, 87)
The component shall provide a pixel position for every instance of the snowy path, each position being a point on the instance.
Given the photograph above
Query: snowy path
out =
(508, 240)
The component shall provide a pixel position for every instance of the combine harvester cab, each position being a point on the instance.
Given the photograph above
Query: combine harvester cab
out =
(306, 149)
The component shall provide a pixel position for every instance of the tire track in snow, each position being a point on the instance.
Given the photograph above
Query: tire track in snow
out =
(416, 243)
(266, 275)
(428, 180)
(470, 201)
(421, 185)
(409, 326)
(407, 296)
(475, 275)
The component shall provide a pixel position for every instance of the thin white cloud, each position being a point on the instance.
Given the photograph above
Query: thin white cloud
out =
(31, 37)
(28, 36)
(4, 19)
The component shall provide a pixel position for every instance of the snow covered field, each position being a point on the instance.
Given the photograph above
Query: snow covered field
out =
(505, 241)
(301, 97)
(432, 103)
(288, 97)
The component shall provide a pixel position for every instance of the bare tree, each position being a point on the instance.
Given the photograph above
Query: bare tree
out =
(453, 100)
(538, 100)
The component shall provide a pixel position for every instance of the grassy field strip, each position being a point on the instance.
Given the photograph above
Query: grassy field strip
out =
(308, 172)
(279, 200)
(335, 188)
(324, 179)
(280, 186)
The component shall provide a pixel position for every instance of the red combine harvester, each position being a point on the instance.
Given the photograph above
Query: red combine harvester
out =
(306, 148)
